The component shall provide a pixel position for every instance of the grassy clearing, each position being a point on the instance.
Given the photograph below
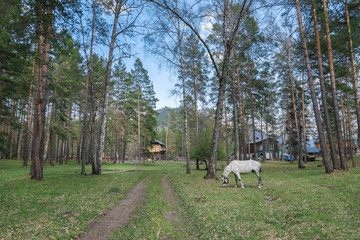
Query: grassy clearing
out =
(294, 204)
(62, 204)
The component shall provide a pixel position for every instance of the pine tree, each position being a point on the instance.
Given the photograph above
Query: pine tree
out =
(146, 107)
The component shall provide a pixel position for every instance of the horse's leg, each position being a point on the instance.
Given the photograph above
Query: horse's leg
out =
(259, 178)
(236, 180)
(238, 176)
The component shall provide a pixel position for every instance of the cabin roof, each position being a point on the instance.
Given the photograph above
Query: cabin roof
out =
(158, 142)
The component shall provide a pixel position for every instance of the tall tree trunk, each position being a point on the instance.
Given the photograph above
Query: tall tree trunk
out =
(9, 141)
(51, 142)
(324, 153)
(299, 146)
(334, 93)
(353, 71)
(28, 121)
(251, 104)
(104, 113)
(139, 127)
(342, 120)
(196, 105)
(167, 137)
(349, 121)
(61, 150)
(241, 113)
(182, 72)
(323, 92)
(303, 115)
(235, 121)
(57, 156)
(44, 32)
(85, 112)
(68, 135)
(226, 135)
(262, 138)
(270, 150)
(79, 139)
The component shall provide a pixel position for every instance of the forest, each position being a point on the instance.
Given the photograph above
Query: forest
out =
(244, 69)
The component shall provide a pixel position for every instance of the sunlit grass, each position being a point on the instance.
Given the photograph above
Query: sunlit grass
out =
(293, 204)
(62, 204)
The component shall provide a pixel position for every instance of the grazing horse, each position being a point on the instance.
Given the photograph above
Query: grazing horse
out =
(236, 167)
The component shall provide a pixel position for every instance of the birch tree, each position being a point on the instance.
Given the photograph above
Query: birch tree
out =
(220, 9)
(117, 8)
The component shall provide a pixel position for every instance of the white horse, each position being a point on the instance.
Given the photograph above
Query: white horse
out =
(236, 167)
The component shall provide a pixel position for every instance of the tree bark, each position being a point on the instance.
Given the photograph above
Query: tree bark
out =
(85, 112)
(226, 135)
(235, 120)
(323, 92)
(299, 146)
(28, 120)
(262, 139)
(44, 32)
(68, 134)
(241, 113)
(349, 121)
(99, 157)
(251, 105)
(324, 153)
(334, 92)
(139, 126)
(353, 71)
(51, 143)
(167, 137)
(342, 120)
(182, 72)
(196, 104)
(303, 115)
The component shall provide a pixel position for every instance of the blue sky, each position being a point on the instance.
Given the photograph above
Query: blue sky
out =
(162, 79)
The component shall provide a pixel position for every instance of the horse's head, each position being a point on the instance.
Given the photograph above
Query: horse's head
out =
(224, 180)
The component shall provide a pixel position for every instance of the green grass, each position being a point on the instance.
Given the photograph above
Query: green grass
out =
(62, 204)
(293, 204)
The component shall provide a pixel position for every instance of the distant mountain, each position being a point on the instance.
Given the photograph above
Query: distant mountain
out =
(163, 116)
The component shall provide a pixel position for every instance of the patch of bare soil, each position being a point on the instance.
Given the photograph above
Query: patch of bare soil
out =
(172, 200)
(110, 221)
(173, 214)
(131, 170)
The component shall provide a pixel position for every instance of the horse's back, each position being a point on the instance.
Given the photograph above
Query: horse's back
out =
(245, 166)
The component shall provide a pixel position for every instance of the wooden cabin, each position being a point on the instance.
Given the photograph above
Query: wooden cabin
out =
(269, 147)
(158, 149)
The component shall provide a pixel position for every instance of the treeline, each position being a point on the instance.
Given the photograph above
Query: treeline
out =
(61, 100)
(278, 68)
(274, 71)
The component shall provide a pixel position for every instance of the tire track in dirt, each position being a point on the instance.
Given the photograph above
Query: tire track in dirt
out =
(104, 227)
(175, 214)
(172, 200)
